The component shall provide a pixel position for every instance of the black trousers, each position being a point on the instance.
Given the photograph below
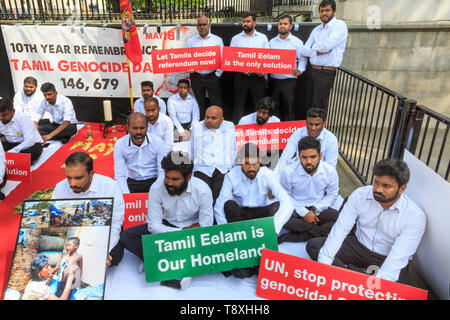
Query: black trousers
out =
(5, 179)
(318, 86)
(131, 239)
(235, 213)
(214, 182)
(244, 85)
(201, 83)
(354, 255)
(47, 127)
(140, 186)
(300, 230)
(284, 91)
(35, 150)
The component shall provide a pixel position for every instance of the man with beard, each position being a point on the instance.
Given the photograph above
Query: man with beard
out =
(315, 128)
(83, 182)
(64, 120)
(187, 203)
(158, 123)
(29, 99)
(244, 196)
(203, 80)
(147, 92)
(389, 227)
(327, 45)
(245, 82)
(313, 186)
(265, 108)
(284, 85)
(213, 149)
(137, 156)
(21, 135)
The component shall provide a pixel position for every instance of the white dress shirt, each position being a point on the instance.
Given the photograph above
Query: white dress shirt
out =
(328, 147)
(213, 148)
(209, 41)
(330, 38)
(183, 110)
(139, 105)
(253, 193)
(21, 129)
(61, 111)
(163, 128)
(394, 232)
(26, 104)
(251, 119)
(319, 190)
(293, 43)
(194, 205)
(101, 187)
(138, 162)
(2, 163)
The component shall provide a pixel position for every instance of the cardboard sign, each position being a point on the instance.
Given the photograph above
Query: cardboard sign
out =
(136, 205)
(185, 59)
(18, 166)
(258, 60)
(269, 135)
(286, 277)
(191, 252)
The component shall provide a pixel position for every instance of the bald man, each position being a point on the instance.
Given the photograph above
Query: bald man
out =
(203, 81)
(137, 156)
(213, 149)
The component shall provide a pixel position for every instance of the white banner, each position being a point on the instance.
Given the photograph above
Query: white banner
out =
(89, 61)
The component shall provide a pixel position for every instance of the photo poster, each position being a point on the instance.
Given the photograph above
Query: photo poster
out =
(55, 237)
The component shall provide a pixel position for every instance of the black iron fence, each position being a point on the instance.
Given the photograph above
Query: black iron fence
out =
(109, 10)
(292, 2)
(372, 122)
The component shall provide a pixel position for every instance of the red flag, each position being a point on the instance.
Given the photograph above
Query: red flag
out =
(130, 34)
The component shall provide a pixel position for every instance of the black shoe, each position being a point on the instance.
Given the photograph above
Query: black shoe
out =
(2, 196)
(176, 284)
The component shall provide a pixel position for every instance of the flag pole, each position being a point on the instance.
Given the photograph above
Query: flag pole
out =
(130, 85)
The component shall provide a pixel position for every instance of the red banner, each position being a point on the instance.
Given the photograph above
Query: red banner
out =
(286, 277)
(272, 135)
(185, 59)
(130, 34)
(18, 166)
(136, 205)
(258, 60)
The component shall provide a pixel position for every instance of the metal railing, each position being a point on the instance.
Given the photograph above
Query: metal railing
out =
(372, 123)
(109, 10)
(292, 2)
(426, 138)
(364, 117)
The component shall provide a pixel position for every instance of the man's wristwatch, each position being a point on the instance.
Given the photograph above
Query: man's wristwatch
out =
(316, 211)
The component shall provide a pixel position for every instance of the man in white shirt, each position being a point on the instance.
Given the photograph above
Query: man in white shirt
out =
(147, 92)
(137, 156)
(186, 200)
(284, 85)
(28, 99)
(64, 121)
(158, 123)
(313, 186)
(183, 110)
(248, 83)
(327, 45)
(389, 227)
(205, 80)
(265, 109)
(213, 148)
(83, 182)
(315, 127)
(21, 135)
(244, 196)
(3, 176)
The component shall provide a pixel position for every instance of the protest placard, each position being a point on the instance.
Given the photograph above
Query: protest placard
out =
(18, 166)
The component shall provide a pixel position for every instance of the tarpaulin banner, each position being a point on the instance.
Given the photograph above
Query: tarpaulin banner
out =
(185, 59)
(255, 60)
